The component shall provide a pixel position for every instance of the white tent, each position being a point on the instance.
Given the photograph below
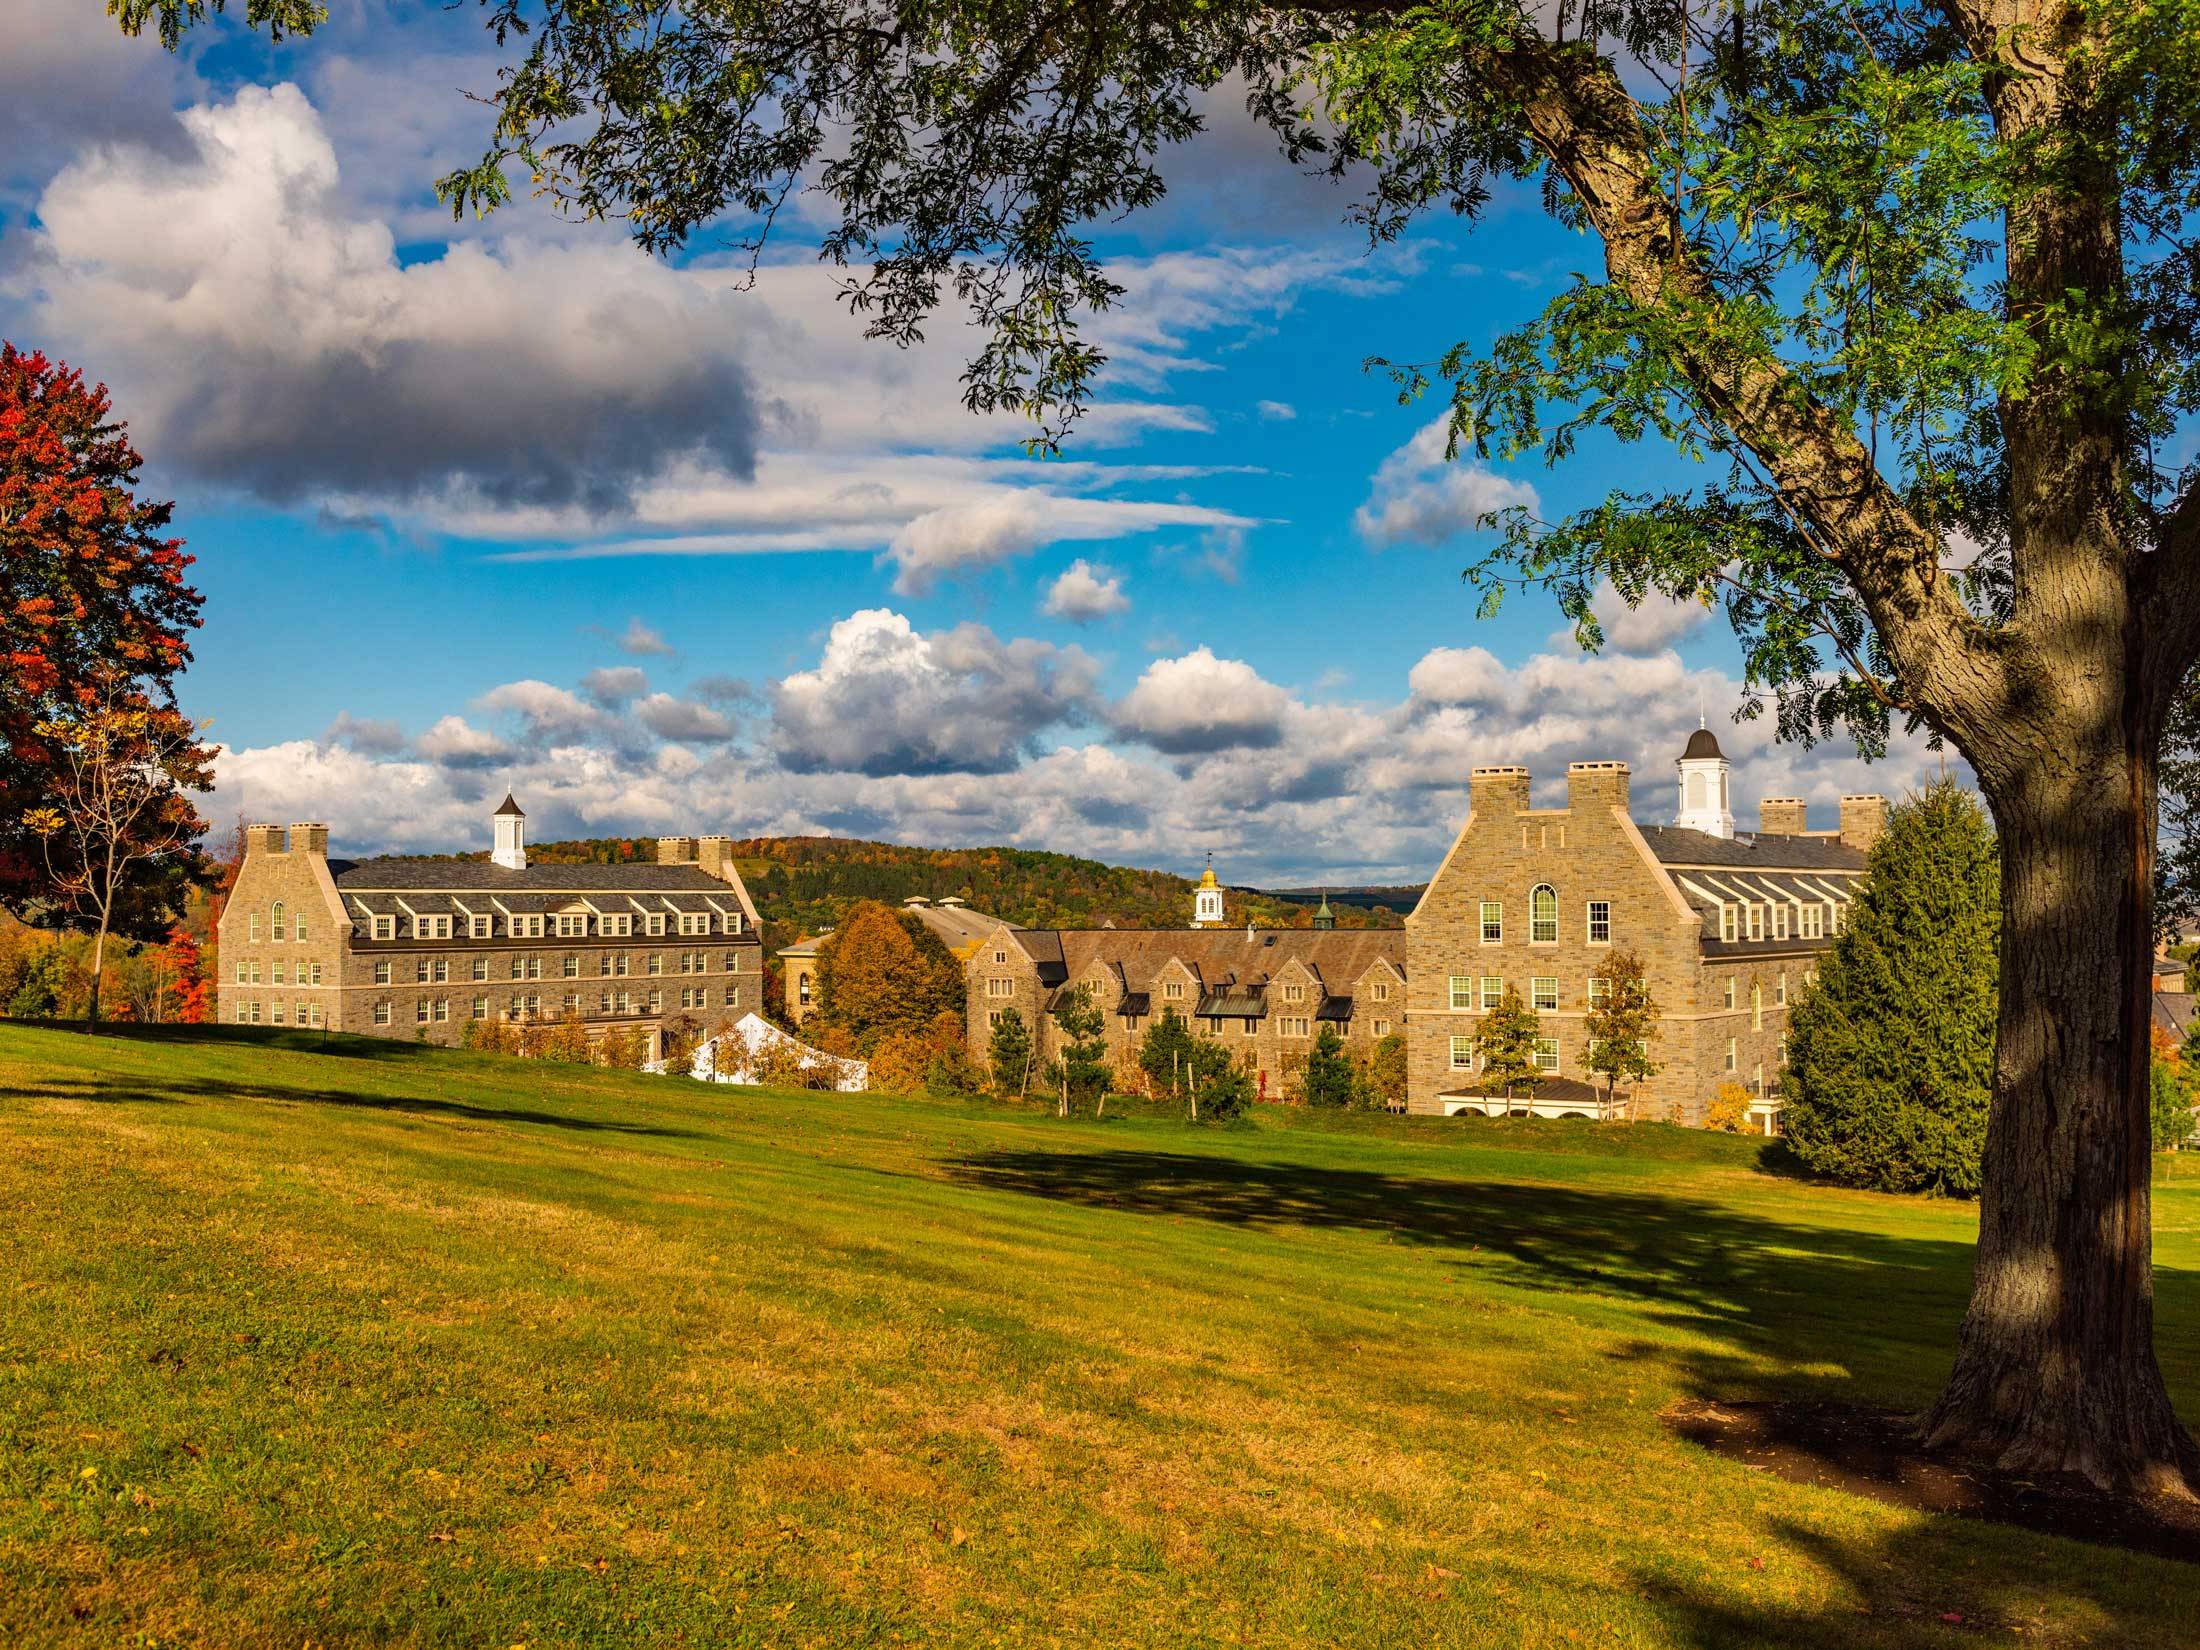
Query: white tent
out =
(737, 1056)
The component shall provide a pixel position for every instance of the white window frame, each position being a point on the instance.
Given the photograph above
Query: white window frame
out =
(1727, 929)
(1462, 993)
(1733, 1053)
(385, 927)
(382, 971)
(1540, 987)
(1462, 1054)
(480, 928)
(382, 1011)
(1780, 920)
(653, 925)
(276, 927)
(1546, 1056)
(1542, 929)
(1493, 922)
(1493, 991)
(1598, 915)
(1756, 920)
(994, 987)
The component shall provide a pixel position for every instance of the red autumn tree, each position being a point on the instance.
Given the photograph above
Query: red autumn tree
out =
(188, 968)
(92, 594)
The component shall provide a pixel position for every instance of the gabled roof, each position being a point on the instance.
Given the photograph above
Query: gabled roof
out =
(403, 871)
(1233, 970)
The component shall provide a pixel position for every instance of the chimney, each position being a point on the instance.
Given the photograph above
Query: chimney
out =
(1783, 816)
(715, 855)
(1498, 793)
(309, 838)
(675, 850)
(262, 839)
(1592, 787)
(1863, 821)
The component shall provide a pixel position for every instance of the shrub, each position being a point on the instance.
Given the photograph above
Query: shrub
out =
(1729, 1109)
(1386, 1073)
(1327, 1078)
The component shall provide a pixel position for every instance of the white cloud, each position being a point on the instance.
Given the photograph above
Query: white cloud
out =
(886, 699)
(1653, 626)
(1083, 593)
(1276, 411)
(549, 714)
(456, 743)
(683, 720)
(613, 685)
(373, 736)
(1418, 497)
(1201, 703)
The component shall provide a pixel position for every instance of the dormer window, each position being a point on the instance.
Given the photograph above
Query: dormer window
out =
(616, 924)
(431, 927)
(653, 925)
(694, 922)
(385, 928)
(480, 928)
(1756, 921)
(1726, 922)
(572, 925)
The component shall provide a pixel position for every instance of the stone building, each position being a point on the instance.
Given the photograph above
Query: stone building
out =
(1729, 926)
(1264, 992)
(417, 947)
(959, 929)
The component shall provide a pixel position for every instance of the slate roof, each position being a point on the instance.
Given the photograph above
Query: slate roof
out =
(403, 872)
(2173, 1013)
(1232, 971)
(1750, 850)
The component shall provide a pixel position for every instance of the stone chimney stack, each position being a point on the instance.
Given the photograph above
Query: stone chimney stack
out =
(715, 855)
(262, 839)
(310, 838)
(675, 850)
(1592, 787)
(1498, 793)
(1863, 821)
(1783, 816)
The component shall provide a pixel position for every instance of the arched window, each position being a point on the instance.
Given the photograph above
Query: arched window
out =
(278, 919)
(1543, 914)
(1695, 791)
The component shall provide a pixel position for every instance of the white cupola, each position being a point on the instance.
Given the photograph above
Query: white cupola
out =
(510, 825)
(1704, 803)
(1207, 899)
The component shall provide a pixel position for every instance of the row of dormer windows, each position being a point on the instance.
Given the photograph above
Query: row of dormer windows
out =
(528, 925)
(1773, 919)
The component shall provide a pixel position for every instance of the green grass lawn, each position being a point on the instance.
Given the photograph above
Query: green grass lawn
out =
(341, 1342)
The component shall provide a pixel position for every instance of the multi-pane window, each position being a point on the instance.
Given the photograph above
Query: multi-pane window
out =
(1730, 991)
(1756, 921)
(420, 969)
(275, 973)
(1780, 990)
(275, 921)
(1493, 991)
(240, 973)
(569, 966)
(1462, 1054)
(481, 1008)
(1251, 1026)
(694, 922)
(382, 971)
(1543, 915)
(993, 988)
(1382, 1028)
(1600, 990)
(527, 927)
(1543, 992)
(255, 971)
(443, 1008)
(481, 970)
(1493, 922)
(255, 1013)
(385, 928)
(572, 925)
(298, 932)
(618, 924)
(275, 1012)
(1733, 1052)
(420, 1011)
(1379, 991)
(572, 1003)
(382, 1012)
(1812, 921)
(1174, 990)
(1726, 922)
(315, 1010)
(252, 927)
(733, 922)
(1295, 1027)
(1757, 1006)
(1294, 993)
(733, 962)
(653, 924)
(1837, 916)
(1462, 991)
(1546, 1055)
(1600, 922)
(425, 927)
(1780, 921)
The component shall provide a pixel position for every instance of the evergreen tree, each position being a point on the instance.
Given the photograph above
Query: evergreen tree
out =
(1622, 1022)
(1009, 1053)
(1084, 1061)
(1219, 1089)
(1506, 1041)
(1165, 1053)
(1328, 1079)
(1386, 1072)
(1891, 1052)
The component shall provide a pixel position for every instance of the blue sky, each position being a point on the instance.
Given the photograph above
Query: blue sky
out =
(508, 503)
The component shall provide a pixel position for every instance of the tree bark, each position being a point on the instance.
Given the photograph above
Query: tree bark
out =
(2055, 1368)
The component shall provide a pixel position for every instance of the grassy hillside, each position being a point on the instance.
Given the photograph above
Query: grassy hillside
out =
(804, 883)
(343, 1343)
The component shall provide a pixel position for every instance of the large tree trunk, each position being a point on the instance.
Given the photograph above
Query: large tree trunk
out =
(2055, 1368)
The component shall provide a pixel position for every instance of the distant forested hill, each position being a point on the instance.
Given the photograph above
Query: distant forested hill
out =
(804, 883)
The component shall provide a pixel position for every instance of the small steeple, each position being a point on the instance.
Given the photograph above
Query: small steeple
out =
(1207, 898)
(1325, 918)
(1704, 803)
(509, 823)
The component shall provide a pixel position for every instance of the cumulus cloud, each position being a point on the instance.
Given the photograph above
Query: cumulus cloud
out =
(643, 642)
(887, 699)
(613, 685)
(1084, 593)
(957, 538)
(549, 714)
(1201, 703)
(1276, 411)
(271, 340)
(456, 743)
(1417, 497)
(682, 719)
(1654, 625)
(373, 736)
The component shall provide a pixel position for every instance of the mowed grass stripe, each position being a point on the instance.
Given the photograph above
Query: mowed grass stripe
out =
(366, 1343)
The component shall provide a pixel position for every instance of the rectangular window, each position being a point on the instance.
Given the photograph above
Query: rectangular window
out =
(441, 972)
(255, 971)
(1294, 993)
(1733, 1052)
(1462, 991)
(316, 1009)
(1600, 922)
(694, 922)
(1382, 1028)
(619, 925)
(1780, 991)
(1780, 921)
(420, 970)
(481, 1008)
(1493, 991)
(1380, 991)
(298, 930)
(275, 1012)
(1462, 1054)
(275, 973)
(1294, 1027)
(571, 926)
(275, 923)
(1493, 922)
(316, 973)
(656, 1002)
(243, 1011)
(653, 925)
(1757, 1006)
(1174, 990)
(1730, 991)
(420, 1011)
(1812, 920)
(1546, 1055)
(733, 962)
(1756, 921)
(382, 971)
(1758, 1080)
(1543, 993)
(1251, 1026)
(385, 928)
(656, 962)
(1726, 922)
(480, 928)
(240, 973)
(481, 968)
(252, 928)
(443, 1008)
(1837, 915)
(993, 988)
(570, 967)
(255, 1013)
(1600, 990)
(733, 922)
(382, 1012)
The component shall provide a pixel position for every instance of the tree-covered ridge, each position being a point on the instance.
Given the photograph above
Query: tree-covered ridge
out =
(804, 883)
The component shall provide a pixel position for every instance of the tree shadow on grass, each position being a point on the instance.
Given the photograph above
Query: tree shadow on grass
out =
(1755, 1297)
(345, 1045)
(171, 1091)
